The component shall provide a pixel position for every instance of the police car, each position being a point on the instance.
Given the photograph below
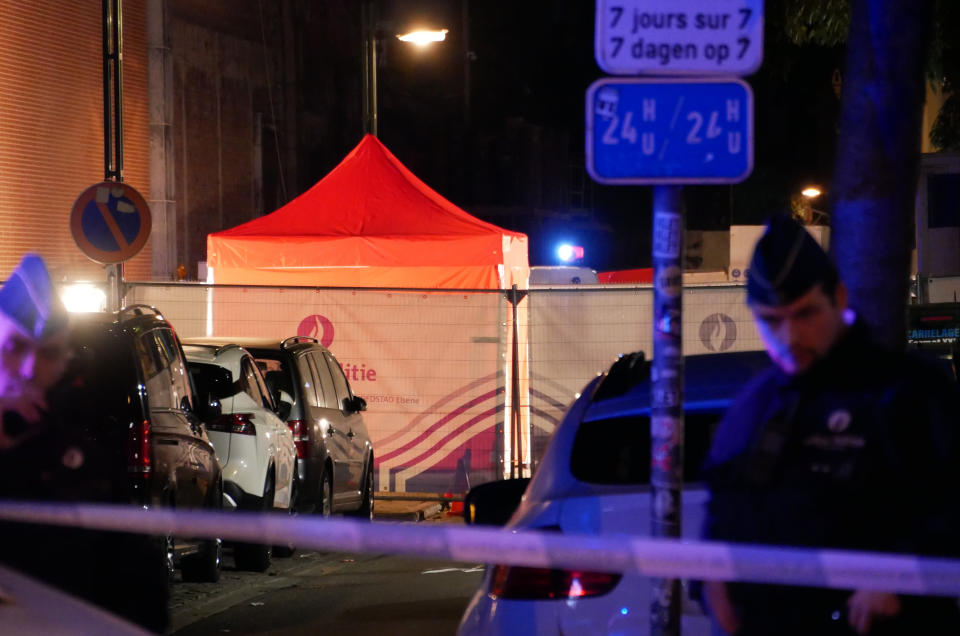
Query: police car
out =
(594, 479)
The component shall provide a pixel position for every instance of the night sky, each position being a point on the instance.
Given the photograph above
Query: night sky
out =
(530, 67)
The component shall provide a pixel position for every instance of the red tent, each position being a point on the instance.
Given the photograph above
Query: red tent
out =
(369, 223)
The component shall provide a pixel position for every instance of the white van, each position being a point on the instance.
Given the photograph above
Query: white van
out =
(562, 275)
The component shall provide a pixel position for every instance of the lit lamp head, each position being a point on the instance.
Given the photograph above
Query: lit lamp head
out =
(423, 37)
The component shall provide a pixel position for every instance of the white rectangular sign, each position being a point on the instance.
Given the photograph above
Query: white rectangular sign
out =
(701, 37)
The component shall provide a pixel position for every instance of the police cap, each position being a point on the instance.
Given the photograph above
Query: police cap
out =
(30, 301)
(787, 262)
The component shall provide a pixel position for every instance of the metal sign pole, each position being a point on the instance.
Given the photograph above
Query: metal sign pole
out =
(113, 123)
(666, 396)
(667, 132)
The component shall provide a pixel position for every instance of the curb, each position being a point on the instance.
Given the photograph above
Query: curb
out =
(419, 514)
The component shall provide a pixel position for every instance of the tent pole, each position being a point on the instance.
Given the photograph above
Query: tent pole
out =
(515, 419)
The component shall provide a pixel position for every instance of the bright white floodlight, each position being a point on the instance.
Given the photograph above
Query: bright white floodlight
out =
(811, 192)
(83, 298)
(423, 38)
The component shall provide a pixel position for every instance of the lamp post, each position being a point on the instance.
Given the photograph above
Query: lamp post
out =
(369, 68)
(372, 34)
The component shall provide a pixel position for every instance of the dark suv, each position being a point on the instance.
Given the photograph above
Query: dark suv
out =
(131, 387)
(123, 427)
(334, 451)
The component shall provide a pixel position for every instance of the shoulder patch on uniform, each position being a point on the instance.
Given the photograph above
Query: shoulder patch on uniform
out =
(839, 421)
(73, 458)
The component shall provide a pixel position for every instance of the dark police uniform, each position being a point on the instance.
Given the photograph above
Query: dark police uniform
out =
(860, 452)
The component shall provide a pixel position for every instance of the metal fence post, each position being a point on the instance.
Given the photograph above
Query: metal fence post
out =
(515, 296)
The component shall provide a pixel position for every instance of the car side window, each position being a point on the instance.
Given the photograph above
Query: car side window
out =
(154, 358)
(179, 376)
(594, 459)
(339, 381)
(308, 385)
(248, 381)
(325, 389)
(258, 376)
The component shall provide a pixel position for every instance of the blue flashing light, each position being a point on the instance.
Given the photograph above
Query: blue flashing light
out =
(624, 611)
(568, 253)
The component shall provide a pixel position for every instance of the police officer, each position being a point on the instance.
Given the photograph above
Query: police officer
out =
(840, 444)
(33, 347)
(48, 454)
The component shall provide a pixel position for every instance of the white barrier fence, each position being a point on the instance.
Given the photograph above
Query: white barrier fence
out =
(661, 558)
(436, 366)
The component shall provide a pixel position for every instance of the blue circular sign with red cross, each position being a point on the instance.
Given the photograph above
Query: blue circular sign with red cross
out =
(110, 222)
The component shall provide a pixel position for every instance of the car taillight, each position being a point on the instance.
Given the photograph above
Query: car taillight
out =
(138, 449)
(300, 438)
(241, 423)
(543, 583)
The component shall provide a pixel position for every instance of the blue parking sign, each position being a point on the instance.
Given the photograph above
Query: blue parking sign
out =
(664, 131)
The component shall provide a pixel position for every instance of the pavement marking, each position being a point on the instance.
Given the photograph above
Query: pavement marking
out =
(476, 568)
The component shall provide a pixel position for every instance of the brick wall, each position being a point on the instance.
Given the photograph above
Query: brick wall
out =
(51, 126)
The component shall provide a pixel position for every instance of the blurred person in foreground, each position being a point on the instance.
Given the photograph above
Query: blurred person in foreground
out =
(47, 454)
(839, 444)
(33, 348)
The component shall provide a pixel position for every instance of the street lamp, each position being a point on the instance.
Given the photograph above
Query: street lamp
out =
(802, 206)
(420, 38)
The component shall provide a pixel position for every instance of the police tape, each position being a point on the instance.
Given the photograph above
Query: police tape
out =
(660, 558)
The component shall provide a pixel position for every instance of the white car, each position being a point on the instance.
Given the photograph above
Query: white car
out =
(594, 479)
(255, 447)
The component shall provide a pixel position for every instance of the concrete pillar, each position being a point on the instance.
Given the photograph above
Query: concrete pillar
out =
(162, 186)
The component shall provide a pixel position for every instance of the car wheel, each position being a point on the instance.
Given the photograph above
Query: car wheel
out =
(204, 566)
(326, 495)
(365, 511)
(287, 550)
(131, 579)
(254, 556)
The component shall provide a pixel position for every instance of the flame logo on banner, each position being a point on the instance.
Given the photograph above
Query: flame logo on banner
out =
(317, 326)
(718, 332)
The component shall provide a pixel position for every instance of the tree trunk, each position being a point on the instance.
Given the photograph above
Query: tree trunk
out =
(878, 155)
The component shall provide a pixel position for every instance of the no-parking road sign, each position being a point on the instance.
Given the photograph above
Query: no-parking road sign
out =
(110, 222)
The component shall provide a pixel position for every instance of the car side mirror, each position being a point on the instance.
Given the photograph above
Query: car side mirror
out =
(284, 404)
(210, 408)
(493, 503)
(355, 404)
